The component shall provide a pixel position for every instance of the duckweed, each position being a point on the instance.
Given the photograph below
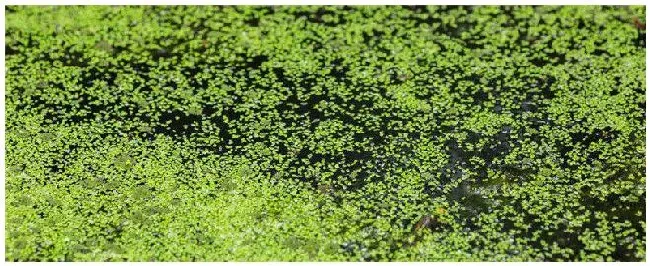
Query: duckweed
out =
(325, 133)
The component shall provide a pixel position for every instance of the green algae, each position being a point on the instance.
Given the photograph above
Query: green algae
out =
(325, 133)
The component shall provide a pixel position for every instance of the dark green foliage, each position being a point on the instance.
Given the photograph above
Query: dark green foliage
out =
(325, 133)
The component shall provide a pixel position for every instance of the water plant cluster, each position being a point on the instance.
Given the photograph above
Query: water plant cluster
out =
(304, 133)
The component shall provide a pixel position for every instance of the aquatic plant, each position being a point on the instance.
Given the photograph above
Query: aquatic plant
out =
(325, 133)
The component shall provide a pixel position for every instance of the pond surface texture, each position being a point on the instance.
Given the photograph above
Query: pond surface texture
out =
(414, 133)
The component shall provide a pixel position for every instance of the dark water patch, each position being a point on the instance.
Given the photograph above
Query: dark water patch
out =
(619, 211)
(254, 62)
(539, 61)
(59, 162)
(532, 108)
(225, 118)
(299, 159)
(73, 113)
(564, 239)
(279, 73)
(600, 52)
(315, 107)
(640, 40)
(293, 109)
(339, 70)
(606, 134)
(57, 166)
(555, 234)
(457, 31)
(94, 106)
(563, 151)
(10, 50)
(623, 252)
(91, 76)
(161, 53)
(253, 22)
(540, 234)
(140, 69)
(26, 99)
(475, 195)
(11, 9)
(31, 43)
(84, 106)
(57, 114)
(516, 173)
(536, 122)
(480, 96)
(309, 109)
(499, 147)
(641, 106)
(372, 37)
(178, 124)
(546, 85)
(338, 18)
(457, 160)
(190, 72)
(472, 200)
(356, 168)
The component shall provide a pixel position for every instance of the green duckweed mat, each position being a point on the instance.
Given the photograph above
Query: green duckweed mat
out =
(325, 133)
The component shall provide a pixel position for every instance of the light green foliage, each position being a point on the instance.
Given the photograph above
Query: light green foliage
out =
(325, 133)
